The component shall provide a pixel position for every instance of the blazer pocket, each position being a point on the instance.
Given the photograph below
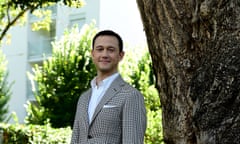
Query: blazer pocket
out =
(109, 106)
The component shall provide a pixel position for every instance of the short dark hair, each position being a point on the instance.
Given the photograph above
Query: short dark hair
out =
(109, 33)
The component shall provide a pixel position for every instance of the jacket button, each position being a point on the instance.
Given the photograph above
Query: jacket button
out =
(89, 136)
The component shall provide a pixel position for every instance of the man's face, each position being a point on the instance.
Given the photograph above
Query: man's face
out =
(106, 54)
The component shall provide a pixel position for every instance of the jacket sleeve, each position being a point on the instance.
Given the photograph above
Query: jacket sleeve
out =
(134, 119)
(75, 130)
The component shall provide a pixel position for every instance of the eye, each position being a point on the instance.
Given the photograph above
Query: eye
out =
(111, 49)
(99, 49)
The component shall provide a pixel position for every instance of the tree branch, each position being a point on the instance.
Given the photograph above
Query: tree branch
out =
(10, 23)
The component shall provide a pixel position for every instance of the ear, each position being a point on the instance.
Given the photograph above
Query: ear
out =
(121, 55)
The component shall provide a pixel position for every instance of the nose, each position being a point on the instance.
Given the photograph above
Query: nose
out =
(105, 53)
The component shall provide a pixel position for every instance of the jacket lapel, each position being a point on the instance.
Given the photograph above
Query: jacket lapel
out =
(111, 91)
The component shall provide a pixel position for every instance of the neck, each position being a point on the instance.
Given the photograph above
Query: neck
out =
(101, 76)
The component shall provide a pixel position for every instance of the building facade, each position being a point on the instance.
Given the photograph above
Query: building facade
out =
(27, 46)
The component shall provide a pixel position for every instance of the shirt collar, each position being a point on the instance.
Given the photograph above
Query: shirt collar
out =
(105, 81)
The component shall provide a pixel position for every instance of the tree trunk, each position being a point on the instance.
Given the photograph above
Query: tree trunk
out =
(195, 49)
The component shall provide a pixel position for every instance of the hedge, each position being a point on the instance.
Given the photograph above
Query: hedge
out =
(33, 134)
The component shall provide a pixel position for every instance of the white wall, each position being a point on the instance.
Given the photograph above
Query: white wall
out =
(90, 12)
(16, 54)
(123, 17)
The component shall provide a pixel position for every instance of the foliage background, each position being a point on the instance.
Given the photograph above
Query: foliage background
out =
(34, 134)
(5, 88)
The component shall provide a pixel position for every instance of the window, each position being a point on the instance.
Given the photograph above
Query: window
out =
(39, 43)
(77, 19)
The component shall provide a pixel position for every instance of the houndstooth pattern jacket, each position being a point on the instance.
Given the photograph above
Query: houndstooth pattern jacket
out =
(119, 118)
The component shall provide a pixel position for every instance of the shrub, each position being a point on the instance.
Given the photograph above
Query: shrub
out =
(154, 133)
(4, 88)
(34, 134)
(62, 79)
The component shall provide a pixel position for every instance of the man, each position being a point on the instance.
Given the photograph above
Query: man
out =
(111, 111)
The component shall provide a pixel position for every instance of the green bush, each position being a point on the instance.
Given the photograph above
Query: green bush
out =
(4, 88)
(62, 79)
(154, 133)
(34, 134)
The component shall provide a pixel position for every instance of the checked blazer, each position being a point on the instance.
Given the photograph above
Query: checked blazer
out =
(119, 118)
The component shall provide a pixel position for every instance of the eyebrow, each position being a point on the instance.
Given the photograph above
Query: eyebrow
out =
(109, 46)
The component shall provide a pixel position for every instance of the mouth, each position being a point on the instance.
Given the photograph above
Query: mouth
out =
(104, 61)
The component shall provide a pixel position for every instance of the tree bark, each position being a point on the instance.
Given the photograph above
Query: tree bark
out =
(195, 49)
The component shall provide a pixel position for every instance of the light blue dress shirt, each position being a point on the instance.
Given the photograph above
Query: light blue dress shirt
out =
(97, 93)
